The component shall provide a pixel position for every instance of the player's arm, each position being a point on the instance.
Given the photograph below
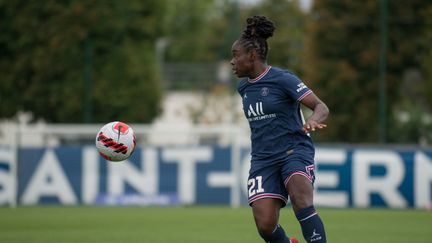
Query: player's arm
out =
(320, 113)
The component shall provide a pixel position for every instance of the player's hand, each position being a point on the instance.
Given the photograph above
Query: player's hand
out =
(311, 126)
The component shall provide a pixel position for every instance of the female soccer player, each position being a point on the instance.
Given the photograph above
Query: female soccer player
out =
(282, 150)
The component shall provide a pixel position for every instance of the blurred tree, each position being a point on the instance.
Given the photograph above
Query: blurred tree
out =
(188, 30)
(412, 111)
(286, 46)
(201, 31)
(190, 57)
(43, 49)
(343, 57)
(426, 12)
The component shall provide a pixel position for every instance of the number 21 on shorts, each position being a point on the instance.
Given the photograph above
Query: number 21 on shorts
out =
(255, 186)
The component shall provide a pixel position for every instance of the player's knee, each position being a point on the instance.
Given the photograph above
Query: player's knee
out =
(266, 214)
(300, 201)
(265, 223)
(300, 192)
(266, 227)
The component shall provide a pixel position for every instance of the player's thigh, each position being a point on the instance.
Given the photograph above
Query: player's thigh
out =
(266, 182)
(299, 176)
(300, 190)
(266, 213)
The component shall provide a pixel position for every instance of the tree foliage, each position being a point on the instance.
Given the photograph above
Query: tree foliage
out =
(80, 61)
(343, 63)
(190, 30)
(287, 44)
(54, 54)
(204, 31)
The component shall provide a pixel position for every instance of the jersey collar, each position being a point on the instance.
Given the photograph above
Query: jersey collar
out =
(260, 76)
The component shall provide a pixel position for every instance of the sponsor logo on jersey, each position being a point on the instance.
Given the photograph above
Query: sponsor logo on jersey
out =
(256, 113)
(258, 110)
(300, 87)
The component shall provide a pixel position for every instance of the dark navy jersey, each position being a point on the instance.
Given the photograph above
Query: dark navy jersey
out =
(271, 104)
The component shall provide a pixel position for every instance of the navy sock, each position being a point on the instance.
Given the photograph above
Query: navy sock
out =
(278, 236)
(311, 224)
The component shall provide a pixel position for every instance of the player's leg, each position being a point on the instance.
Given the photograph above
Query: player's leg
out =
(300, 190)
(266, 215)
(267, 194)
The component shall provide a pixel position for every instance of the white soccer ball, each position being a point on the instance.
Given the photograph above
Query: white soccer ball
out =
(115, 141)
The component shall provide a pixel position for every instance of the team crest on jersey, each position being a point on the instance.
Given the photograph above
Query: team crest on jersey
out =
(264, 91)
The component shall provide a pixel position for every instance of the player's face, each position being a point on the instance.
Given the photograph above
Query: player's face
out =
(242, 61)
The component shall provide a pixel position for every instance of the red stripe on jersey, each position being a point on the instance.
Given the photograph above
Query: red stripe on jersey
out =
(260, 76)
(304, 95)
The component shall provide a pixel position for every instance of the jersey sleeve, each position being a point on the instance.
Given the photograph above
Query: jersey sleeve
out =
(294, 87)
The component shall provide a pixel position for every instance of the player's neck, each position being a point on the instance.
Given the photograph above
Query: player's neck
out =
(258, 70)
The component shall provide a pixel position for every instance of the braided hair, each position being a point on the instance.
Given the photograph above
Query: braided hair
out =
(254, 37)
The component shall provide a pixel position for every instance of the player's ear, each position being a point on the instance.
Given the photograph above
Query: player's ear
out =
(252, 55)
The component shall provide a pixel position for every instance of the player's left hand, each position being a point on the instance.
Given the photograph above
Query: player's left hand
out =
(311, 126)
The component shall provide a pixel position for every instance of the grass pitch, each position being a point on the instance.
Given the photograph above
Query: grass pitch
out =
(201, 225)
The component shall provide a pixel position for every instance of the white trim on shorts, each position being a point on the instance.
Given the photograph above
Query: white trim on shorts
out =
(267, 195)
(298, 173)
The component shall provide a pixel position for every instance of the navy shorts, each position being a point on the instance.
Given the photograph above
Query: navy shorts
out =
(269, 180)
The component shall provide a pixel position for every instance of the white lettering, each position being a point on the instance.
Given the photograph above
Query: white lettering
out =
(90, 183)
(7, 179)
(6, 193)
(251, 111)
(259, 111)
(145, 181)
(301, 86)
(245, 167)
(259, 118)
(258, 107)
(422, 181)
(386, 186)
(221, 179)
(328, 179)
(186, 159)
(49, 179)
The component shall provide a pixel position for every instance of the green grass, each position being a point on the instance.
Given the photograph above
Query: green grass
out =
(201, 225)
